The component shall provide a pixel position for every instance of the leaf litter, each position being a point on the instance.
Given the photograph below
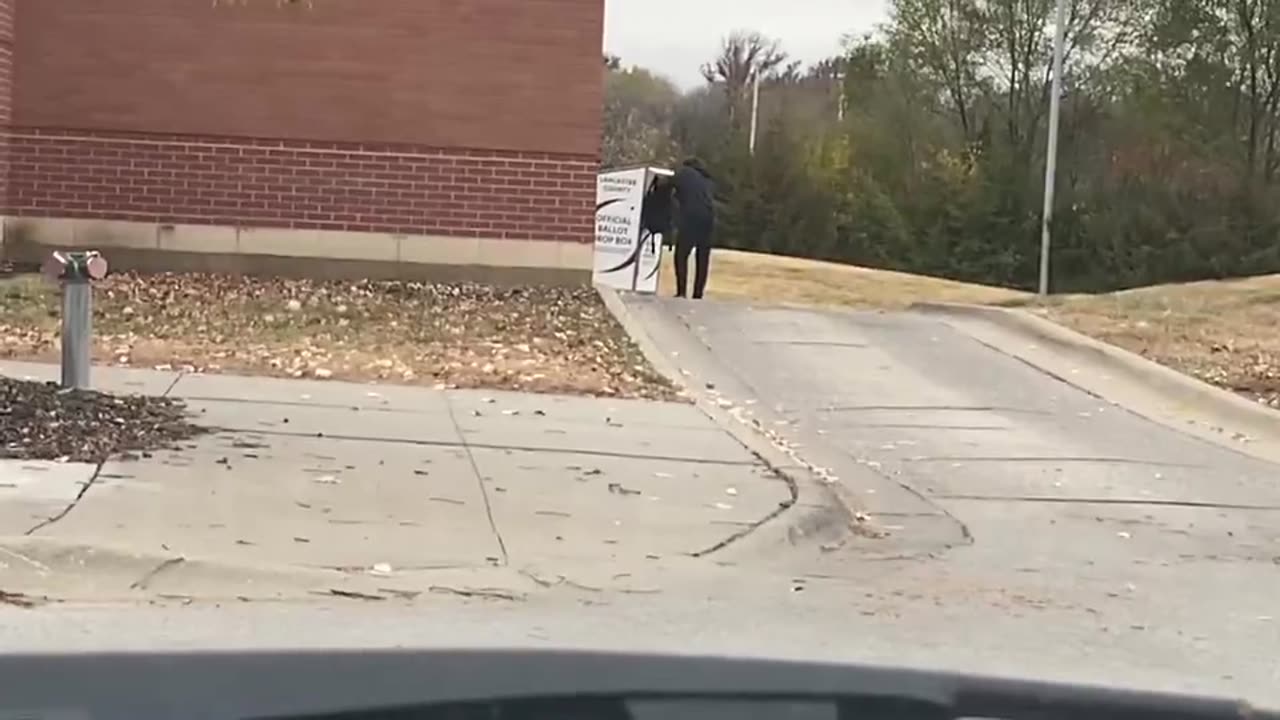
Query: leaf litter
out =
(554, 339)
(42, 421)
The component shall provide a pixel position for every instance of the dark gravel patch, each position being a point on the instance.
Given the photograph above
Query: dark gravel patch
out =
(41, 421)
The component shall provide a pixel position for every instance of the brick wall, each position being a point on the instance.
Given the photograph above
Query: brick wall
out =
(475, 118)
(6, 61)
(6, 90)
(337, 186)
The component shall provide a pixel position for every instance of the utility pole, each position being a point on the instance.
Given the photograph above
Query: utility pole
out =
(1051, 157)
(841, 99)
(755, 108)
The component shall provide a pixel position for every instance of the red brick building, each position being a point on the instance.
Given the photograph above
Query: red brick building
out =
(386, 137)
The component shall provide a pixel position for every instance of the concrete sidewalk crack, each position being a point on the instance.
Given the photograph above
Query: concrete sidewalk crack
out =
(173, 384)
(97, 471)
(484, 491)
(145, 580)
(792, 487)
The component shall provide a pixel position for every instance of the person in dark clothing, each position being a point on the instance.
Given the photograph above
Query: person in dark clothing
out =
(696, 221)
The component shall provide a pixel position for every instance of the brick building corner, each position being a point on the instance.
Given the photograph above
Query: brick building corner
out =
(386, 138)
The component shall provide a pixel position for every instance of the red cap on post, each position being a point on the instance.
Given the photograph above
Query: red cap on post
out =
(97, 267)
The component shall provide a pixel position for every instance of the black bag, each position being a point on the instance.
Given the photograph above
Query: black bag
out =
(656, 211)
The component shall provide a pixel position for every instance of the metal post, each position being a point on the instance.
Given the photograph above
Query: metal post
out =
(1051, 157)
(76, 272)
(755, 109)
(77, 332)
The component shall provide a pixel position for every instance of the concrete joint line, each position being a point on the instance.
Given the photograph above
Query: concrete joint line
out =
(84, 489)
(934, 408)
(299, 404)
(1050, 459)
(1122, 502)
(484, 491)
(463, 443)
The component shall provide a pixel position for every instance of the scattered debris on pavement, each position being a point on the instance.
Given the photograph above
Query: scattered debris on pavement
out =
(353, 595)
(483, 593)
(17, 599)
(41, 421)
(466, 335)
(620, 489)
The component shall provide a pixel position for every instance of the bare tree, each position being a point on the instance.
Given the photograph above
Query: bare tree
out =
(743, 56)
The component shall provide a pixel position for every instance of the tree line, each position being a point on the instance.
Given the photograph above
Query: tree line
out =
(921, 147)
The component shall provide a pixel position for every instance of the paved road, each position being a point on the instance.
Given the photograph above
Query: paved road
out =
(1013, 523)
(1030, 508)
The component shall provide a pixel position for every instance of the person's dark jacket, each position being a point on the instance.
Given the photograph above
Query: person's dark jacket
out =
(695, 194)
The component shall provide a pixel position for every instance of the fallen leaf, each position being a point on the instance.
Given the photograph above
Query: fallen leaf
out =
(17, 600)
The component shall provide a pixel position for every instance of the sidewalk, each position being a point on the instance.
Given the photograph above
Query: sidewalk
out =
(325, 481)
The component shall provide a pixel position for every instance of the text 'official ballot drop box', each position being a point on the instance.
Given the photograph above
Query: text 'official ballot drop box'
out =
(627, 255)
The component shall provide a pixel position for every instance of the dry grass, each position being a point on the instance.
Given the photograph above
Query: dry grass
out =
(1223, 332)
(754, 277)
(542, 339)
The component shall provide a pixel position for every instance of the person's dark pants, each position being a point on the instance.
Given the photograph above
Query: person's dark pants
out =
(695, 235)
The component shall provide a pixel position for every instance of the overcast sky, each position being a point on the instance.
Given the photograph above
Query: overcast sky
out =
(674, 37)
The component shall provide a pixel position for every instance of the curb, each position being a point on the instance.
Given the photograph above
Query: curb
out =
(1228, 408)
(635, 330)
(839, 517)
